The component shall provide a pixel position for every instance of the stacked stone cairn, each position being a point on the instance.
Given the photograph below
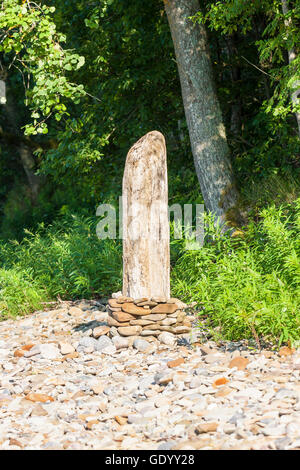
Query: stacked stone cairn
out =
(147, 317)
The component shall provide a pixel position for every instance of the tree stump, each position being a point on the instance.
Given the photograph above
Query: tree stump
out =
(146, 233)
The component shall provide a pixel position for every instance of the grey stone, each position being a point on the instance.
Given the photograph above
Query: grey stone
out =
(167, 338)
(33, 351)
(103, 342)
(166, 446)
(141, 345)
(135, 419)
(120, 342)
(87, 342)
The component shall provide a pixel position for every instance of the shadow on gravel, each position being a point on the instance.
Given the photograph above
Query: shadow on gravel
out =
(89, 325)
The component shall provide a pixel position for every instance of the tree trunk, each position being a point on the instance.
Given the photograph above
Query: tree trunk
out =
(202, 110)
(292, 56)
(146, 233)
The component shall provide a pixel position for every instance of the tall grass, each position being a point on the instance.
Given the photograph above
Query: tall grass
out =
(67, 259)
(248, 285)
(19, 294)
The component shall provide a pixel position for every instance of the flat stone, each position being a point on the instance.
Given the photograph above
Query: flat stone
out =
(123, 299)
(154, 326)
(176, 362)
(179, 330)
(141, 322)
(135, 419)
(204, 428)
(66, 348)
(142, 299)
(180, 316)
(112, 322)
(164, 308)
(100, 330)
(49, 351)
(147, 303)
(128, 307)
(113, 303)
(155, 317)
(168, 321)
(98, 388)
(129, 330)
(114, 309)
(146, 332)
(122, 317)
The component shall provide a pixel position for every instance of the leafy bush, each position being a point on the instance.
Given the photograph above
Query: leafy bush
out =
(19, 294)
(67, 258)
(248, 285)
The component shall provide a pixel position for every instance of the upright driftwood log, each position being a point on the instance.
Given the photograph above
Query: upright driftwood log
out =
(146, 237)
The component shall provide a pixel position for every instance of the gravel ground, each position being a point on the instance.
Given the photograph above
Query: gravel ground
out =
(60, 388)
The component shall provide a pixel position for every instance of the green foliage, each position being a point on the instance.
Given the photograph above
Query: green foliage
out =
(248, 285)
(67, 258)
(130, 86)
(278, 34)
(31, 44)
(19, 294)
(131, 73)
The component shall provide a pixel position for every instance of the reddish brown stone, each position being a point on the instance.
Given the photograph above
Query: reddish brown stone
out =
(203, 428)
(221, 381)
(15, 442)
(27, 347)
(176, 362)
(19, 353)
(286, 351)
(38, 397)
(239, 362)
